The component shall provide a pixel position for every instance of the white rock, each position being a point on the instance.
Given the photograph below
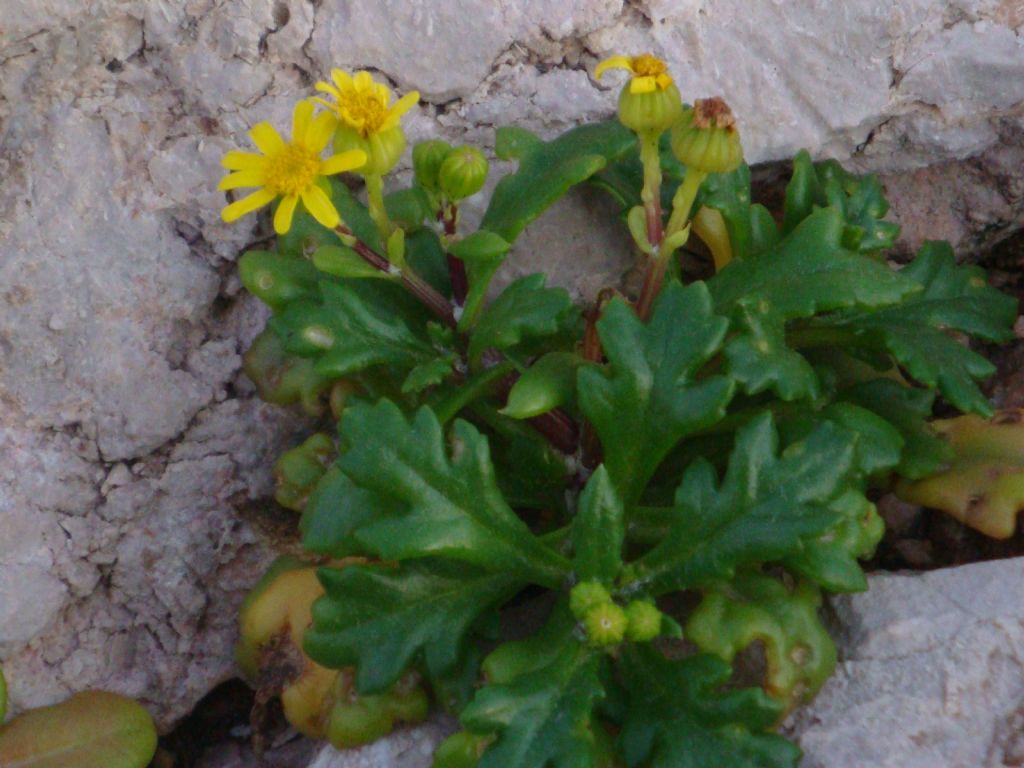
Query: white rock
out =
(931, 673)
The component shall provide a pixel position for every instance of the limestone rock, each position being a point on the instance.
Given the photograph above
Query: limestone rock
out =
(931, 673)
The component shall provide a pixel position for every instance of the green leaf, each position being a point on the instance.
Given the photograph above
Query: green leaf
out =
(429, 374)
(799, 653)
(648, 397)
(277, 279)
(859, 199)
(351, 330)
(284, 379)
(382, 618)
(523, 310)
(679, 718)
(543, 716)
(810, 272)
(906, 410)
(408, 207)
(598, 531)
(426, 256)
(93, 729)
(547, 169)
(483, 253)
(341, 261)
(914, 332)
(547, 384)
(807, 273)
(766, 507)
(335, 510)
(451, 503)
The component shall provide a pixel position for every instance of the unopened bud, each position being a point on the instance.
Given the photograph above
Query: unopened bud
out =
(427, 157)
(706, 138)
(462, 173)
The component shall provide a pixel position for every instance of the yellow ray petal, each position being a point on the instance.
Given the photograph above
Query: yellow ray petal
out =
(239, 208)
(283, 215)
(301, 119)
(320, 131)
(250, 178)
(342, 79)
(331, 105)
(328, 89)
(236, 160)
(363, 81)
(344, 161)
(646, 84)
(319, 204)
(613, 62)
(266, 137)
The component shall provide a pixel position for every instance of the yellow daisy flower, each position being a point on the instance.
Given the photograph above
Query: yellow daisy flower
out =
(367, 118)
(363, 104)
(289, 170)
(649, 72)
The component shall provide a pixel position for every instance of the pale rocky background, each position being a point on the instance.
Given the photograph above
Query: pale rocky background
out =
(132, 453)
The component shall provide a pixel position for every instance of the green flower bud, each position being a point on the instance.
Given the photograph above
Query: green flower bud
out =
(653, 112)
(605, 625)
(706, 139)
(649, 103)
(382, 148)
(585, 596)
(427, 157)
(644, 621)
(462, 173)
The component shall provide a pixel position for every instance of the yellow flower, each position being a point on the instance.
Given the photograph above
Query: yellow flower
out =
(292, 170)
(649, 72)
(367, 118)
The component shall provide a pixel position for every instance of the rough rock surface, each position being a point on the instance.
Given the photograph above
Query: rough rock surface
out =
(128, 438)
(931, 673)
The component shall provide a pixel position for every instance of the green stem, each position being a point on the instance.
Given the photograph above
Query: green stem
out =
(683, 200)
(650, 158)
(475, 387)
(375, 200)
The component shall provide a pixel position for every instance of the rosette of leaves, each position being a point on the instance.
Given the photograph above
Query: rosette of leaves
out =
(722, 447)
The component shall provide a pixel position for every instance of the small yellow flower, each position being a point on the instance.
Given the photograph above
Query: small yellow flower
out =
(290, 170)
(367, 119)
(363, 104)
(649, 72)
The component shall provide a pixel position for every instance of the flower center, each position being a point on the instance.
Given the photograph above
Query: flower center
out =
(647, 65)
(363, 111)
(292, 170)
(713, 113)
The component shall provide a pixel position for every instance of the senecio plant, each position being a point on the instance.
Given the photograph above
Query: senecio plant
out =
(566, 525)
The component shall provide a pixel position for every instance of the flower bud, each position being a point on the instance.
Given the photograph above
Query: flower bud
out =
(383, 149)
(585, 596)
(605, 625)
(462, 173)
(644, 621)
(649, 103)
(652, 112)
(706, 139)
(427, 157)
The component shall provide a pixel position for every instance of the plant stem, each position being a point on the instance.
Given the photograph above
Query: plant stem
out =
(375, 201)
(556, 426)
(412, 282)
(449, 215)
(650, 158)
(683, 200)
